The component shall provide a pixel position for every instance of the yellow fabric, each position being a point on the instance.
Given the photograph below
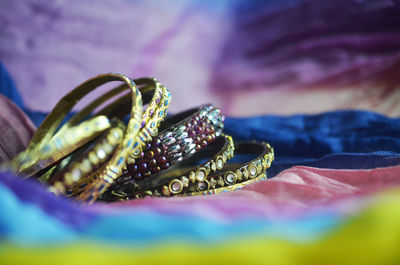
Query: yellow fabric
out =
(371, 237)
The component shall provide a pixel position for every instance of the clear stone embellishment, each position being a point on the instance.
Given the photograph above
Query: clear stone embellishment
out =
(200, 175)
(213, 166)
(253, 170)
(176, 186)
(76, 174)
(202, 186)
(101, 154)
(220, 163)
(230, 178)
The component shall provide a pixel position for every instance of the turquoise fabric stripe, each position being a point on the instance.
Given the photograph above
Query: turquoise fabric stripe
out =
(26, 223)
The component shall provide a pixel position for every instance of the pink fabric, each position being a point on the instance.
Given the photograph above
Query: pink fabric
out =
(294, 192)
(311, 185)
(16, 129)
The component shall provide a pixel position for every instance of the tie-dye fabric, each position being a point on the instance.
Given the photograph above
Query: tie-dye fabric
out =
(333, 191)
(301, 216)
(343, 209)
(249, 57)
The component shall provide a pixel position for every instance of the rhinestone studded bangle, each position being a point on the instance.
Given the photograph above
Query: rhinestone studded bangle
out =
(176, 179)
(184, 134)
(234, 176)
(73, 169)
(232, 187)
(61, 145)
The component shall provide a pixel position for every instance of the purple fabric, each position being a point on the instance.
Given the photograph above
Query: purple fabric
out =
(306, 43)
(245, 56)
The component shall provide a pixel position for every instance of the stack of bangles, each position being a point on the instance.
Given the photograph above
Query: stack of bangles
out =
(122, 146)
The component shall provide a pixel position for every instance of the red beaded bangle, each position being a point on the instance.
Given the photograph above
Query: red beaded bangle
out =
(186, 133)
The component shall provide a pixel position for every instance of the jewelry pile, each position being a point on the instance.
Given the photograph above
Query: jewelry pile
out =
(100, 154)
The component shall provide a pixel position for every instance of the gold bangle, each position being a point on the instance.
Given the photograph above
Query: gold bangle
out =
(67, 130)
(112, 168)
(94, 185)
(233, 174)
(221, 178)
(150, 89)
(62, 145)
(28, 160)
(234, 187)
(86, 111)
(152, 92)
(158, 104)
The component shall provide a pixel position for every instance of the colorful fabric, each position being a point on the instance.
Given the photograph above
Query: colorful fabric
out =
(332, 198)
(302, 216)
(333, 191)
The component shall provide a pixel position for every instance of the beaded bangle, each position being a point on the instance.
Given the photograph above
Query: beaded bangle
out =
(217, 177)
(181, 136)
(177, 178)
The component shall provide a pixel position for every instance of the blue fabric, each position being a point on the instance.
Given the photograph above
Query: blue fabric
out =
(8, 87)
(30, 215)
(336, 140)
